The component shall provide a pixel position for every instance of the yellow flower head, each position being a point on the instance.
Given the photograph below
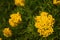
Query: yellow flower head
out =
(0, 38)
(15, 19)
(56, 1)
(45, 31)
(19, 2)
(44, 21)
(7, 32)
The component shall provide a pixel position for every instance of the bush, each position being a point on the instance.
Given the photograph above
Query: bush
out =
(26, 29)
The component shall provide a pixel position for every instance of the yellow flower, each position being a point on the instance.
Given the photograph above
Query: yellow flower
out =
(15, 19)
(45, 31)
(43, 22)
(19, 2)
(7, 32)
(0, 38)
(56, 1)
(12, 23)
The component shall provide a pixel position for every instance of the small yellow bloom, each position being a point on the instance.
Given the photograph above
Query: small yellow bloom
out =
(19, 2)
(7, 32)
(44, 23)
(0, 38)
(16, 16)
(12, 23)
(56, 1)
(15, 19)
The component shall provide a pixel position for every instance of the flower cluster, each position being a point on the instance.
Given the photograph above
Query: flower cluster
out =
(44, 23)
(19, 2)
(7, 32)
(15, 19)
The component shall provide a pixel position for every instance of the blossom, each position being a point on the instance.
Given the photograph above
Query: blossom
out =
(56, 1)
(0, 38)
(7, 32)
(15, 19)
(44, 23)
(19, 2)
(45, 31)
